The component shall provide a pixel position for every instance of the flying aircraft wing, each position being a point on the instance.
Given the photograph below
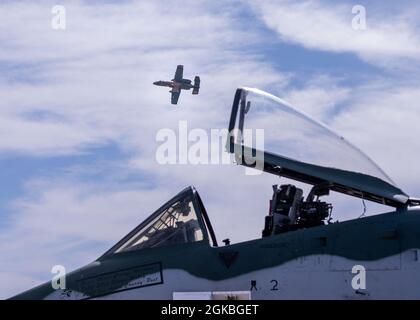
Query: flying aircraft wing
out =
(179, 73)
(175, 97)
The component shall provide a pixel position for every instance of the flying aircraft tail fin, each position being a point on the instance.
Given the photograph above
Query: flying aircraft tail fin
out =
(196, 88)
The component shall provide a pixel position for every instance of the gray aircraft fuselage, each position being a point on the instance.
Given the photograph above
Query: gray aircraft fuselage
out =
(176, 86)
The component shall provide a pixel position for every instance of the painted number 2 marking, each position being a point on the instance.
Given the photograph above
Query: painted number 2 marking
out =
(275, 284)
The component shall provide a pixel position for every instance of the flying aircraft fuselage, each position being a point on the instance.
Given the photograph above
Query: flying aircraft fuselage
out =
(178, 83)
(176, 86)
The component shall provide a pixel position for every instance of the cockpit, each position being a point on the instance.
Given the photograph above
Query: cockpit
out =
(296, 147)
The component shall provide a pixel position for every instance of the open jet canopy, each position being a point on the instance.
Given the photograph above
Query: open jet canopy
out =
(298, 147)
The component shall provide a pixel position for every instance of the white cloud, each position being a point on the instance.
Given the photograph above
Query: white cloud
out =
(384, 121)
(320, 97)
(328, 26)
(93, 81)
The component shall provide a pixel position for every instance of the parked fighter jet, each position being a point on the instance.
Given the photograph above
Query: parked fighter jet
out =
(174, 254)
(178, 83)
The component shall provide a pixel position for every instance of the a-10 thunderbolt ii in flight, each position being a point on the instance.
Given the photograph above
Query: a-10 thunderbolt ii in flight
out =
(178, 83)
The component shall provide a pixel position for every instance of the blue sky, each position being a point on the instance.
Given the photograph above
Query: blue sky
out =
(79, 116)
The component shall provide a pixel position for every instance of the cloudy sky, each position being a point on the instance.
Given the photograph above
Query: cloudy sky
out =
(79, 114)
